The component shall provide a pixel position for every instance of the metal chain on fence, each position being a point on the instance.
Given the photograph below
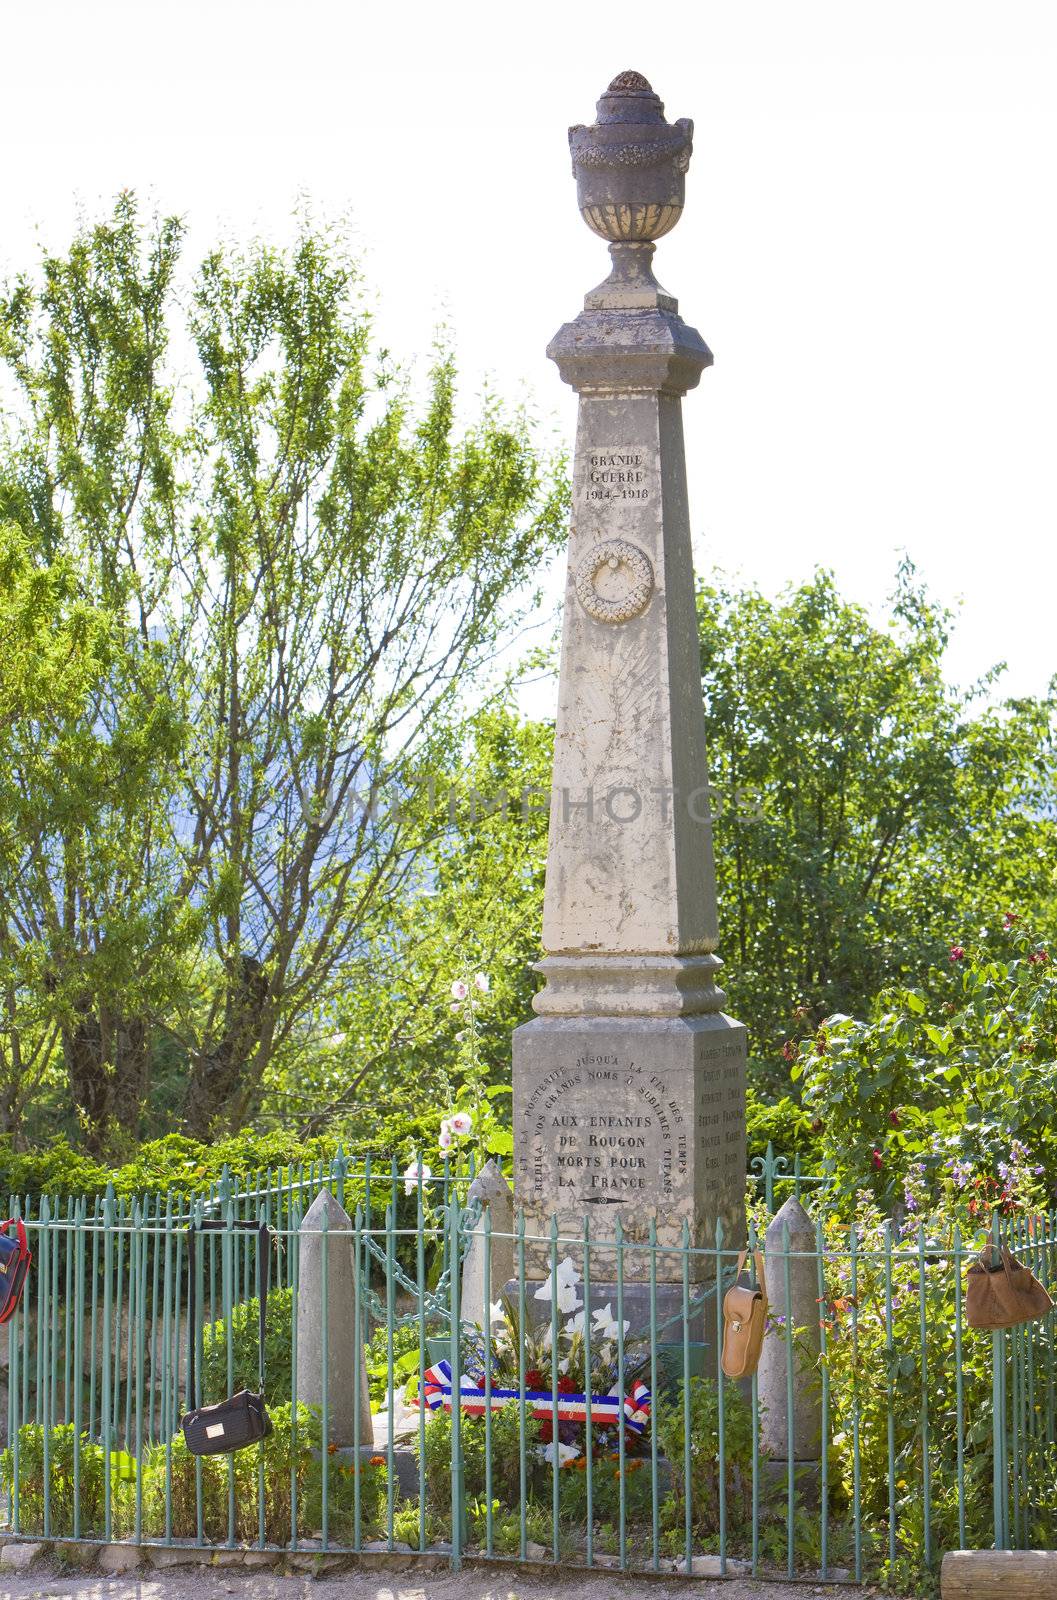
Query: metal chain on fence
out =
(433, 1300)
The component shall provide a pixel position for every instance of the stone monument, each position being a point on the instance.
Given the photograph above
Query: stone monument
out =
(629, 1085)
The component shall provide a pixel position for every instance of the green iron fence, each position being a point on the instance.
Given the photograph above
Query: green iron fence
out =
(929, 1435)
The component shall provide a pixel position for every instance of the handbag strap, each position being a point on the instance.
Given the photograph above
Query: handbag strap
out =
(264, 1272)
(20, 1232)
(761, 1276)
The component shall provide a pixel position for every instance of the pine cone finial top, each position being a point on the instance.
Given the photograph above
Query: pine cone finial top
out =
(633, 81)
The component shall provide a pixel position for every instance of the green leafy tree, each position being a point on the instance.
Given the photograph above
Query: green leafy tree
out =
(303, 578)
(470, 918)
(865, 807)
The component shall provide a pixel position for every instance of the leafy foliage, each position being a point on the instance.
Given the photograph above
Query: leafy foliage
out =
(274, 601)
(866, 808)
(259, 1483)
(946, 1092)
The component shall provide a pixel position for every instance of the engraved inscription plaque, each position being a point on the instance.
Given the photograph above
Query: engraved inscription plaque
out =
(618, 474)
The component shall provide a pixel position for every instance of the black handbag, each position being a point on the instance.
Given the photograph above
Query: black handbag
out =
(242, 1419)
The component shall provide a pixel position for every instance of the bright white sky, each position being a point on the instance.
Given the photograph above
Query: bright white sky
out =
(869, 246)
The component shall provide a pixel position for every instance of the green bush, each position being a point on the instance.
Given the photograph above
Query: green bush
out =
(260, 1477)
(784, 1124)
(506, 1457)
(91, 1479)
(244, 1341)
(704, 1457)
(175, 1162)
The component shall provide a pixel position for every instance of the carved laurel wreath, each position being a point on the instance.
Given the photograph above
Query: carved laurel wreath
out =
(615, 553)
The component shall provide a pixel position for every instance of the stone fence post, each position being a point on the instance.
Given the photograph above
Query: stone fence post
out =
(492, 1188)
(343, 1321)
(793, 1297)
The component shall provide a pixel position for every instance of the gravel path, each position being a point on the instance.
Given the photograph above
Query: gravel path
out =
(475, 1583)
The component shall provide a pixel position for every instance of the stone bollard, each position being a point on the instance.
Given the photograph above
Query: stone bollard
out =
(791, 1224)
(344, 1346)
(491, 1187)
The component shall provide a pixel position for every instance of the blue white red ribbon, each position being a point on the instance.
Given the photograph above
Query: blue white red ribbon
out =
(605, 1408)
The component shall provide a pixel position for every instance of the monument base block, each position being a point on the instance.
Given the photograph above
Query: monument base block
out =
(636, 1118)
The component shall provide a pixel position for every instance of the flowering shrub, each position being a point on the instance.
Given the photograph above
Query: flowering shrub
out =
(946, 1102)
(903, 1369)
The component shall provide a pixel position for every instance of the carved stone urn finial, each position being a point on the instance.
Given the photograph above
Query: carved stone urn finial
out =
(630, 166)
(630, 170)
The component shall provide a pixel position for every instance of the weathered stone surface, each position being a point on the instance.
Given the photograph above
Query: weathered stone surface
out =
(75, 1553)
(178, 1556)
(478, 1287)
(646, 1116)
(344, 1348)
(17, 1555)
(629, 1095)
(120, 1557)
(792, 1231)
(712, 1567)
(405, 1460)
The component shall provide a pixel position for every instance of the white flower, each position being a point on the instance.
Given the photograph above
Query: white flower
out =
(412, 1174)
(461, 1123)
(460, 1036)
(481, 982)
(496, 1311)
(604, 1323)
(563, 1366)
(445, 1138)
(459, 990)
(563, 1452)
(575, 1324)
(565, 1279)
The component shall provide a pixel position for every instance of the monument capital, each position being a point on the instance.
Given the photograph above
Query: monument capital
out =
(629, 351)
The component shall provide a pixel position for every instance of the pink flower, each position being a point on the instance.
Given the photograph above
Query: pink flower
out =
(481, 982)
(461, 1123)
(893, 1117)
(876, 1160)
(412, 1175)
(1038, 958)
(445, 1138)
(1009, 919)
(459, 991)
(957, 952)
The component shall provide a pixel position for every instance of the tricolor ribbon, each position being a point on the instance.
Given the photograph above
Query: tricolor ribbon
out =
(437, 1391)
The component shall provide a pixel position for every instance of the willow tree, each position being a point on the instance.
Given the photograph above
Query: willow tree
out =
(318, 560)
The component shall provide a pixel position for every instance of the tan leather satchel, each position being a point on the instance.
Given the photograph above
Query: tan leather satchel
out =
(744, 1316)
(1003, 1293)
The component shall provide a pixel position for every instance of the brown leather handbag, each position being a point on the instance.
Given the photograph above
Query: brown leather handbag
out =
(1003, 1293)
(744, 1317)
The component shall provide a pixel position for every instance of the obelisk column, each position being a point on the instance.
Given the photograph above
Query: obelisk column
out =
(629, 1086)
